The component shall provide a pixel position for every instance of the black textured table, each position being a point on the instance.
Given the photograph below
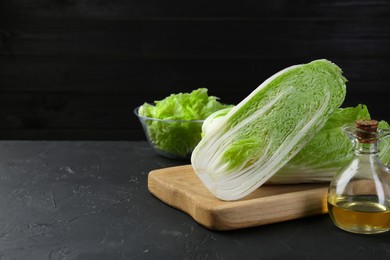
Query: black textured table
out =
(89, 200)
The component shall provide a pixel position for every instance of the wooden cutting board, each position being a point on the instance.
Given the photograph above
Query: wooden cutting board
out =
(179, 187)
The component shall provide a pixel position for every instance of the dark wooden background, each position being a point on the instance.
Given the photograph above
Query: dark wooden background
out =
(76, 69)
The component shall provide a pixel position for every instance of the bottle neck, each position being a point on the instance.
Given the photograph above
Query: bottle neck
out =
(366, 148)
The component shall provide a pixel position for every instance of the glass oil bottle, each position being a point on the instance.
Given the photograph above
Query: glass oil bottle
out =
(359, 195)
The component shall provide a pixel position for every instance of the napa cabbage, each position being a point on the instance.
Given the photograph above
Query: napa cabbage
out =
(244, 147)
(329, 151)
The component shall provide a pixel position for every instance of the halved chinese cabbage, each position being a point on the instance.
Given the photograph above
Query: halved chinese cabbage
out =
(268, 128)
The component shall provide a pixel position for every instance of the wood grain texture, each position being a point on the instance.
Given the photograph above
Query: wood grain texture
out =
(142, 9)
(179, 187)
(96, 60)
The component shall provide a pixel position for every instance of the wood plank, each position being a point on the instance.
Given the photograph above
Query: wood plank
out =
(68, 110)
(201, 8)
(170, 75)
(204, 38)
(179, 187)
(69, 66)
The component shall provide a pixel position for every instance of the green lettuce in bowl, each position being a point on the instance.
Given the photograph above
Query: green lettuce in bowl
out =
(173, 126)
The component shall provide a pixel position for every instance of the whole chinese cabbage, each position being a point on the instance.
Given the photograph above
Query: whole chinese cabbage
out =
(329, 151)
(268, 128)
(326, 153)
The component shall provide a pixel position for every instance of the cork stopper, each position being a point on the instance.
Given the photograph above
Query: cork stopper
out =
(368, 133)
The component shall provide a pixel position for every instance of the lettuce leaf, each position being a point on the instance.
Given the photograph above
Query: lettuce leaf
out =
(173, 125)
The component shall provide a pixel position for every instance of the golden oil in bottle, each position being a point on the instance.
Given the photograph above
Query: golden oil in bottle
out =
(359, 214)
(359, 194)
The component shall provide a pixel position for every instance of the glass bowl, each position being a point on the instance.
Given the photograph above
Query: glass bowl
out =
(175, 139)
